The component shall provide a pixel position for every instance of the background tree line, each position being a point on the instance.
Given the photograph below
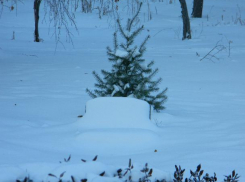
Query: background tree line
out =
(61, 13)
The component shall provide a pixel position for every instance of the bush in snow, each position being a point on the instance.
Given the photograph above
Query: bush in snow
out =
(130, 75)
(128, 175)
(232, 178)
(197, 176)
(26, 179)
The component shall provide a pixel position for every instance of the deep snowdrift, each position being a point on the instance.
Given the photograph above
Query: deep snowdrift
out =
(115, 125)
(117, 112)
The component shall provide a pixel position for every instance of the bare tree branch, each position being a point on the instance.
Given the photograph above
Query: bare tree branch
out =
(61, 14)
(214, 51)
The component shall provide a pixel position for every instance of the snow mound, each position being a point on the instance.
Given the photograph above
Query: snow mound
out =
(117, 125)
(117, 112)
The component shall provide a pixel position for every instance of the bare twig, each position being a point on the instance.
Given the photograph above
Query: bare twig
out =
(61, 14)
(31, 55)
(214, 51)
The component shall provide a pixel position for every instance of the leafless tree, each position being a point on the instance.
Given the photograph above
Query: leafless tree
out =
(186, 20)
(86, 6)
(197, 9)
(61, 14)
(36, 17)
(8, 4)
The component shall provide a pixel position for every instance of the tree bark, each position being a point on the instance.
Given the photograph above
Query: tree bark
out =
(197, 9)
(186, 21)
(36, 17)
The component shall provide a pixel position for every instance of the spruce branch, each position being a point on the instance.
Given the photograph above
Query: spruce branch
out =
(136, 33)
(142, 46)
(121, 29)
(90, 93)
(115, 42)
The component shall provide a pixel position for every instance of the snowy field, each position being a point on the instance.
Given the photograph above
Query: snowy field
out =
(42, 93)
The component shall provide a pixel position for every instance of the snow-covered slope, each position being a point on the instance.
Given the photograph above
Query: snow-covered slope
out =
(42, 91)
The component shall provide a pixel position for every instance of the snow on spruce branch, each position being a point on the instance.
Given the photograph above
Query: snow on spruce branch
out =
(131, 75)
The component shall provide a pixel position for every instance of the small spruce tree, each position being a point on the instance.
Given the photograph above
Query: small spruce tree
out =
(130, 75)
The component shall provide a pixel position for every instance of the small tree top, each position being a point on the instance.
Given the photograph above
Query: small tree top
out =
(131, 75)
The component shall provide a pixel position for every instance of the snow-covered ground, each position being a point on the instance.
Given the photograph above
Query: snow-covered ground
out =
(42, 93)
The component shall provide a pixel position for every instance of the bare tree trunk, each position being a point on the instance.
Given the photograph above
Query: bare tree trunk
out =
(197, 9)
(36, 16)
(186, 21)
(86, 6)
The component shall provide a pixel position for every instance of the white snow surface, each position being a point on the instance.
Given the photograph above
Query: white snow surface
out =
(111, 123)
(117, 112)
(42, 91)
